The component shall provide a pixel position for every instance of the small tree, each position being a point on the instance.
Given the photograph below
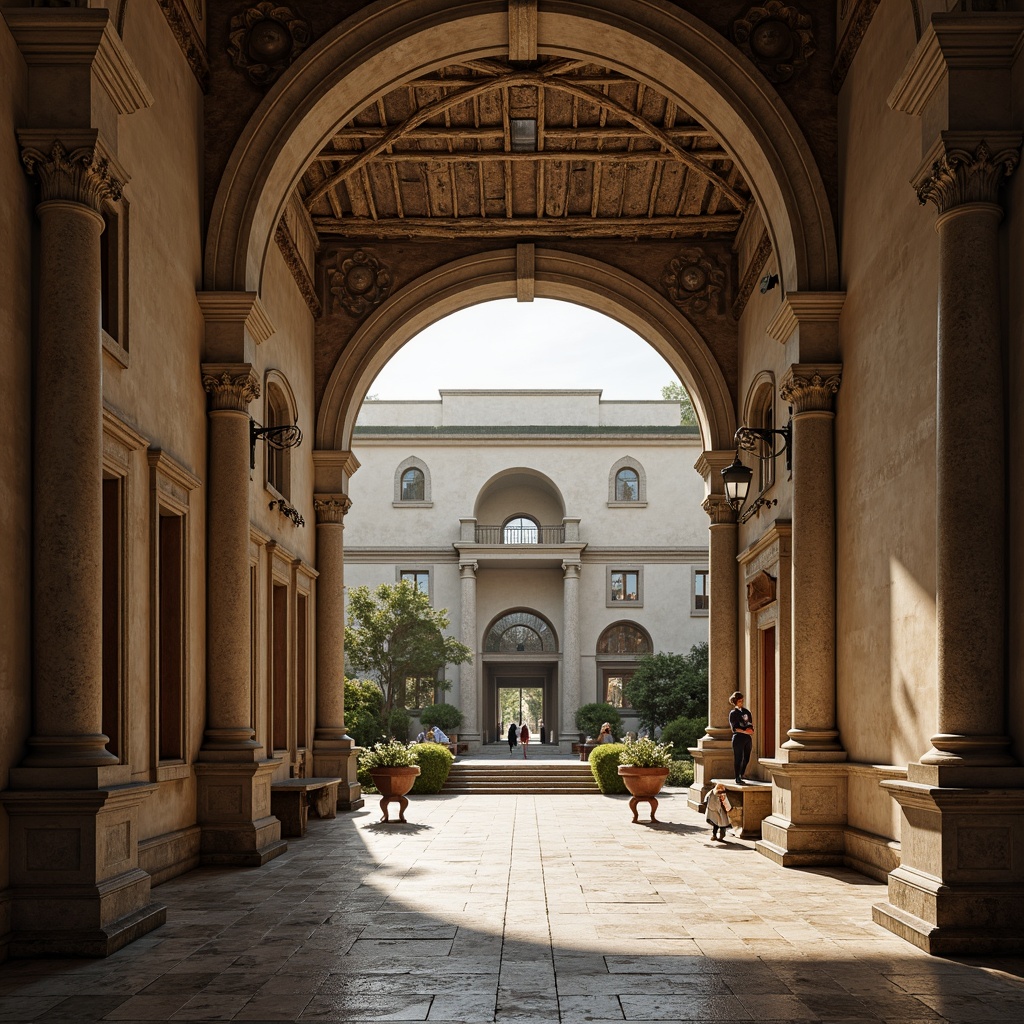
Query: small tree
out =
(675, 392)
(394, 635)
(363, 704)
(666, 686)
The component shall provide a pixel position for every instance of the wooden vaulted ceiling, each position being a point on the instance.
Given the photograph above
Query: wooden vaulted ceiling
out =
(435, 159)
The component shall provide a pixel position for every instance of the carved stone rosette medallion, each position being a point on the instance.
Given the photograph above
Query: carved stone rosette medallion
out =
(331, 510)
(718, 509)
(231, 390)
(358, 283)
(80, 176)
(695, 282)
(810, 390)
(776, 37)
(960, 176)
(265, 38)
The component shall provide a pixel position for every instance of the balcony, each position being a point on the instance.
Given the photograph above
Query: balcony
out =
(519, 535)
(512, 545)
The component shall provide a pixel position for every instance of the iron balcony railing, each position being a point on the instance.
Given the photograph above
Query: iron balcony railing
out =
(520, 534)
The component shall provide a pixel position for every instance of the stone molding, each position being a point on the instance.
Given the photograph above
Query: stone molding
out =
(522, 30)
(811, 387)
(189, 39)
(752, 274)
(237, 307)
(331, 509)
(719, 511)
(230, 386)
(852, 37)
(467, 570)
(84, 174)
(961, 168)
(332, 470)
(710, 465)
(571, 570)
(804, 307)
(526, 276)
(297, 267)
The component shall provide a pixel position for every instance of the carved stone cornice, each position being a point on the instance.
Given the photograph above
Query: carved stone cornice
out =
(853, 36)
(295, 263)
(965, 168)
(332, 508)
(799, 308)
(810, 387)
(77, 173)
(230, 386)
(719, 510)
(188, 37)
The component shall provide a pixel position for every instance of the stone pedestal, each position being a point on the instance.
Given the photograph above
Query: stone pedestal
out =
(808, 819)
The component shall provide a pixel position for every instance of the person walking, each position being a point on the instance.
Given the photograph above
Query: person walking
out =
(524, 738)
(741, 721)
(543, 732)
(513, 733)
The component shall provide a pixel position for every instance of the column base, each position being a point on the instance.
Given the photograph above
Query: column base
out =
(336, 759)
(233, 811)
(76, 885)
(960, 886)
(809, 811)
(712, 759)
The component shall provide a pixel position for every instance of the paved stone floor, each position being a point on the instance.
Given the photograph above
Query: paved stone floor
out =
(528, 909)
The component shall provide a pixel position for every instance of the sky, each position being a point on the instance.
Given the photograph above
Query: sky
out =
(541, 344)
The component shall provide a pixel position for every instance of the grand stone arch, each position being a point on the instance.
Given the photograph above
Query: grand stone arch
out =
(492, 275)
(388, 43)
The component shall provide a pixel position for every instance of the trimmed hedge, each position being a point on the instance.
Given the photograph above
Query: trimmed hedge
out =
(680, 774)
(684, 732)
(604, 763)
(435, 763)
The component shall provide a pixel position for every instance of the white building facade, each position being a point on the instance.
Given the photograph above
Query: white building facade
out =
(563, 533)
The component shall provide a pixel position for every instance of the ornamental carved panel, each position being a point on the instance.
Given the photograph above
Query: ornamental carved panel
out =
(695, 282)
(760, 591)
(265, 38)
(357, 282)
(777, 37)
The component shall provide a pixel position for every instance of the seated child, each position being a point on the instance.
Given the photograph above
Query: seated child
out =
(717, 813)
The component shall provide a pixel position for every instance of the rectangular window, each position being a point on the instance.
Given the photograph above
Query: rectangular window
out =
(625, 586)
(279, 666)
(171, 625)
(701, 593)
(113, 540)
(419, 578)
(614, 684)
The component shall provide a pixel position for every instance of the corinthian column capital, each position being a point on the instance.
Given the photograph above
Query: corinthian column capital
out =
(331, 508)
(718, 509)
(811, 387)
(77, 172)
(963, 169)
(230, 385)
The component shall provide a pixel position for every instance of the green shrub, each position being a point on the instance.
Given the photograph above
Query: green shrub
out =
(363, 706)
(435, 763)
(447, 716)
(680, 773)
(591, 717)
(684, 732)
(398, 724)
(646, 753)
(604, 763)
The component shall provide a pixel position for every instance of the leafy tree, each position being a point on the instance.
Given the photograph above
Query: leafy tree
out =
(666, 686)
(591, 717)
(363, 704)
(393, 634)
(675, 392)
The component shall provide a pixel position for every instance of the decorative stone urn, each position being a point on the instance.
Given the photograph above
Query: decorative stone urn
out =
(393, 784)
(644, 784)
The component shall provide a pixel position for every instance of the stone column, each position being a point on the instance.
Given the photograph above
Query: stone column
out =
(570, 682)
(713, 754)
(963, 802)
(234, 776)
(334, 751)
(469, 672)
(78, 889)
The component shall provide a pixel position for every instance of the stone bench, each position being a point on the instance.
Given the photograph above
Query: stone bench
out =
(292, 800)
(751, 804)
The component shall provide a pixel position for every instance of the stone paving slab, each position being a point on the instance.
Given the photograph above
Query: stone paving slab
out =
(518, 909)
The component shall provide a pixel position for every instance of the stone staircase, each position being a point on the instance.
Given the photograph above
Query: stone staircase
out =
(524, 778)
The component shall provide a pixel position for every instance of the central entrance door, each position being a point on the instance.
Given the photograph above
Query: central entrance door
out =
(516, 695)
(521, 704)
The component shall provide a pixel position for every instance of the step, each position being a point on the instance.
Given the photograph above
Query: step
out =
(522, 779)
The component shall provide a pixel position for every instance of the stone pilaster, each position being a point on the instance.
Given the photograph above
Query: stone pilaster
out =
(960, 885)
(712, 757)
(469, 672)
(570, 681)
(334, 751)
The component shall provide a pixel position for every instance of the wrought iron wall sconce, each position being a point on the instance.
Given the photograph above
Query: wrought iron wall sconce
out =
(762, 443)
(286, 436)
(289, 511)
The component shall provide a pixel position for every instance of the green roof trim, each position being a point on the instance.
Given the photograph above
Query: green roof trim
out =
(680, 431)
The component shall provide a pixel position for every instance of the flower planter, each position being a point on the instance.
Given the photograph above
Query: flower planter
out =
(393, 784)
(644, 784)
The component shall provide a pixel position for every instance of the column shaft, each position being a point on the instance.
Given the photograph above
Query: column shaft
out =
(723, 657)
(330, 619)
(469, 671)
(570, 649)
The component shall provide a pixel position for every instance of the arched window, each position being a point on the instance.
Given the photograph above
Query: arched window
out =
(520, 633)
(627, 483)
(412, 482)
(413, 485)
(279, 411)
(624, 638)
(760, 412)
(520, 530)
